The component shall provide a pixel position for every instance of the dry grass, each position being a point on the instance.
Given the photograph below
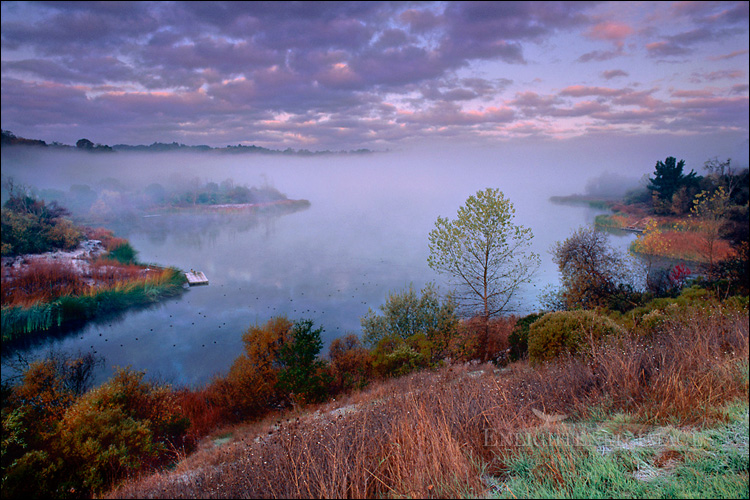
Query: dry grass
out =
(44, 280)
(688, 245)
(40, 281)
(435, 433)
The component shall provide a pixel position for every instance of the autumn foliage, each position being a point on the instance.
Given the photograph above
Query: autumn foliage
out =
(60, 443)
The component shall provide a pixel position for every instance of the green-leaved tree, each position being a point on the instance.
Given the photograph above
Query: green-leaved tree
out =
(486, 254)
(302, 374)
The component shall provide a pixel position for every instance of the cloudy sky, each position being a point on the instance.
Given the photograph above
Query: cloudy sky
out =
(379, 75)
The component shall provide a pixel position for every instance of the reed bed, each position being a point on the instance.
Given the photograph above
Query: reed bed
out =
(122, 287)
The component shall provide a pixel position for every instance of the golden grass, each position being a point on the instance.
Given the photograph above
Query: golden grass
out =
(689, 245)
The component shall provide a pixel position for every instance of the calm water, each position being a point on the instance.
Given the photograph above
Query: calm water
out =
(363, 236)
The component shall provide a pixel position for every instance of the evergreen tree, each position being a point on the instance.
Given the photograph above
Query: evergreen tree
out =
(668, 178)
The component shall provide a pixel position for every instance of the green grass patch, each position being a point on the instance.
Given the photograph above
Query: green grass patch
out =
(615, 459)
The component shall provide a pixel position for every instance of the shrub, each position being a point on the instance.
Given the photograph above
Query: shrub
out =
(420, 328)
(124, 426)
(647, 319)
(406, 314)
(484, 340)
(32, 226)
(63, 234)
(250, 387)
(61, 441)
(350, 363)
(519, 337)
(394, 357)
(464, 345)
(123, 253)
(204, 410)
(570, 332)
(591, 269)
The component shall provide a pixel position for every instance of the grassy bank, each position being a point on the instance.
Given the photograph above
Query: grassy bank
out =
(657, 414)
(577, 199)
(669, 237)
(18, 320)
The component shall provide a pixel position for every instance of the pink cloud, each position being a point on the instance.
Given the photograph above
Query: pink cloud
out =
(731, 55)
(583, 91)
(692, 93)
(610, 31)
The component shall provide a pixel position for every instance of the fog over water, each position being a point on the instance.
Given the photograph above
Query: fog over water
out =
(365, 234)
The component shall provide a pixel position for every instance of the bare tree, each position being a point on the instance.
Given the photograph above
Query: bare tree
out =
(591, 269)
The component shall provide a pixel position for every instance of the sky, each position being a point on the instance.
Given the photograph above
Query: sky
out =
(376, 75)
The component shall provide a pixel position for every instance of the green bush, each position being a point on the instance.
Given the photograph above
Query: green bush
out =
(123, 253)
(570, 332)
(122, 427)
(647, 319)
(414, 331)
(394, 357)
(407, 313)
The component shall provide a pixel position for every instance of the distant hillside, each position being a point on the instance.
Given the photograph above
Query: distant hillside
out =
(10, 139)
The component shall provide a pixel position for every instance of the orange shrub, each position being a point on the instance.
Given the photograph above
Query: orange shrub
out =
(250, 386)
(488, 342)
(203, 409)
(351, 363)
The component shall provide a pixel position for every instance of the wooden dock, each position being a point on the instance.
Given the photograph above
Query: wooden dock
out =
(196, 278)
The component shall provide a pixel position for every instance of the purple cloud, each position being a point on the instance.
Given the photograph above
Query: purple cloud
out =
(613, 73)
(360, 73)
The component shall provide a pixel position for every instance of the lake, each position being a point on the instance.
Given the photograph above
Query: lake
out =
(363, 236)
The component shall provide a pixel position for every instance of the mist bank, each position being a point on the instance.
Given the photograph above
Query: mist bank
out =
(363, 236)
